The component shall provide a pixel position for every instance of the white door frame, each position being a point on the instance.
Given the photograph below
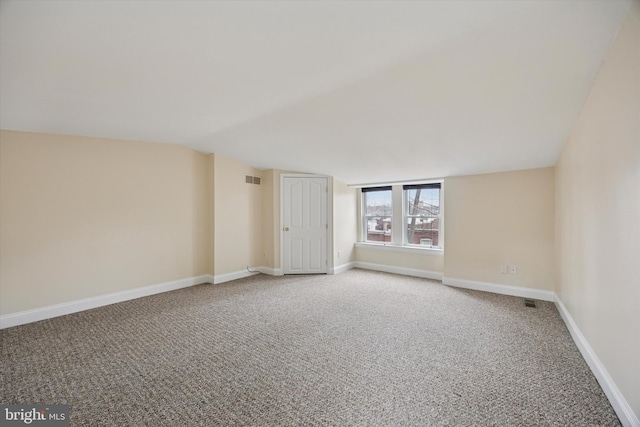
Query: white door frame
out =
(330, 269)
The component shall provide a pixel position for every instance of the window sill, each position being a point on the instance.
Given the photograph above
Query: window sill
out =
(402, 249)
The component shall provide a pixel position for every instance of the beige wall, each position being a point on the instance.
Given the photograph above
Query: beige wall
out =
(269, 212)
(238, 217)
(210, 185)
(81, 217)
(430, 262)
(489, 220)
(500, 218)
(345, 223)
(598, 214)
(271, 218)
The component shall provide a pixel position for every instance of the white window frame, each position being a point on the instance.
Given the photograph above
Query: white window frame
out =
(406, 217)
(365, 217)
(399, 224)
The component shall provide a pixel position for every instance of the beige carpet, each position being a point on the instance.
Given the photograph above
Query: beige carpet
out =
(356, 349)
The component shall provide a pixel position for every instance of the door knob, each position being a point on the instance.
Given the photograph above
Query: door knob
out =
(286, 229)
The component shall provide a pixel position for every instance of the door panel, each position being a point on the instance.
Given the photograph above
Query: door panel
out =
(305, 225)
(296, 194)
(315, 205)
(295, 259)
(315, 258)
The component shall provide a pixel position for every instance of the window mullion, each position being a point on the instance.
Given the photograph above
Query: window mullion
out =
(397, 235)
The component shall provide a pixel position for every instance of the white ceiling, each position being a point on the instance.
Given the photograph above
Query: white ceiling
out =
(364, 91)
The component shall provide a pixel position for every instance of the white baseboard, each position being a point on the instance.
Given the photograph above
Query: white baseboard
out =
(434, 275)
(222, 278)
(270, 271)
(515, 291)
(51, 311)
(618, 402)
(343, 267)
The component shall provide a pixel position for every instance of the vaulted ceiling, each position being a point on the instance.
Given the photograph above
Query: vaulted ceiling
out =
(366, 91)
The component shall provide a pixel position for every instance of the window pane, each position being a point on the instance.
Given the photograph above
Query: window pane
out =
(377, 203)
(378, 229)
(377, 215)
(422, 217)
(423, 202)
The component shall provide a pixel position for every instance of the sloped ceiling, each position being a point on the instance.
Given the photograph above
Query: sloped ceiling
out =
(364, 91)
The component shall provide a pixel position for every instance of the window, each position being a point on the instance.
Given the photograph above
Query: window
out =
(422, 215)
(377, 213)
(417, 223)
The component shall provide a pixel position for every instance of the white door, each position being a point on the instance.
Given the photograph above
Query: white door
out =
(305, 225)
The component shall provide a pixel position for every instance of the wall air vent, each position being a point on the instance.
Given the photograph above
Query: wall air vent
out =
(256, 180)
(248, 179)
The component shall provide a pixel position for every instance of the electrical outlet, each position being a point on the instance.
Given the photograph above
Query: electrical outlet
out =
(503, 269)
(513, 269)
